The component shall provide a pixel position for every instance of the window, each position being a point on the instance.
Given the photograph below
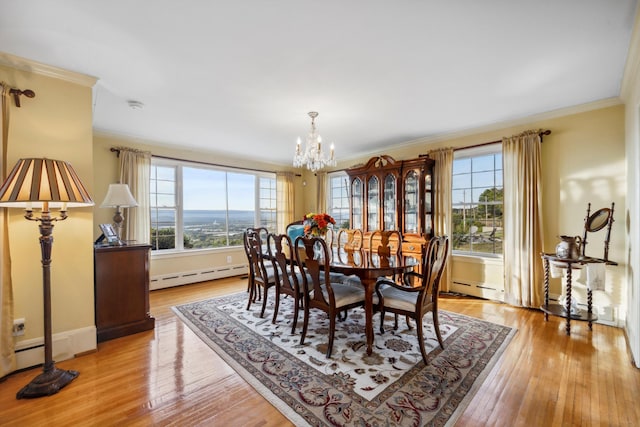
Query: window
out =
(163, 206)
(477, 200)
(267, 203)
(196, 206)
(339, 198)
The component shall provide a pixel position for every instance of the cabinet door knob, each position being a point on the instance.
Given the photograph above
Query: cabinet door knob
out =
(411, 248)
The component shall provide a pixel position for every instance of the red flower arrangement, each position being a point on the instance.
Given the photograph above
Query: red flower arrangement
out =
(317, 224)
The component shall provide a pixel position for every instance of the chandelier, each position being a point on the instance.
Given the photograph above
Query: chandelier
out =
(313, 157)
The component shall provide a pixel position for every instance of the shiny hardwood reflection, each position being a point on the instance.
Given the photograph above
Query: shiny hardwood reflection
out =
(170, 377)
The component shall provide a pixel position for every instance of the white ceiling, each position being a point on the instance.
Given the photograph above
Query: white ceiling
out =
(239, 77)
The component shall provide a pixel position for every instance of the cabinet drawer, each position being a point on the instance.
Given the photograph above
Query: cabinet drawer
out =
(411, 248)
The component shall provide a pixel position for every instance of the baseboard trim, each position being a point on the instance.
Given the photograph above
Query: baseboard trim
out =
(66, 345)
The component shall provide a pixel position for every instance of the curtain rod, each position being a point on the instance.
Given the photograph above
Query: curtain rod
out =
(117, 150)
(541, 133)
(17, 93)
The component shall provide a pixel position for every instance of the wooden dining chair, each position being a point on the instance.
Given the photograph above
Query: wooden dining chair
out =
(263, 269)
(287, 274)
(320, 292)
(385, 243)
(418, 294)
(262, 233)
(349, 239)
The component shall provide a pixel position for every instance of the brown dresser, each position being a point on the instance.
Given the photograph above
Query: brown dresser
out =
(121, 280)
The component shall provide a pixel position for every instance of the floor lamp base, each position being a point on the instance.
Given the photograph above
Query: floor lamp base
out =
(47, 383)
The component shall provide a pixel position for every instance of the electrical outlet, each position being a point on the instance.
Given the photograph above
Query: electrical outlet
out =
(18, 327)
(228, 259)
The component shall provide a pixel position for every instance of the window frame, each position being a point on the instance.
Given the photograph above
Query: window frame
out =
(330, 196)
(478, 152)
(179, 165)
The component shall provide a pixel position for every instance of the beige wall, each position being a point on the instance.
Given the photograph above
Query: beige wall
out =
(57, 124)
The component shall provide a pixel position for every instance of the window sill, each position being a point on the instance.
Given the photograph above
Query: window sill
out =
(167, 253)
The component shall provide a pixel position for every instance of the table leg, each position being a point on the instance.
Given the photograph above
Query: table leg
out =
(368, 311)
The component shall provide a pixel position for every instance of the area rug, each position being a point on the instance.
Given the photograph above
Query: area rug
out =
(392, 387)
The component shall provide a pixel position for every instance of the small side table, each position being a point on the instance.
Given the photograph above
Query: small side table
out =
(557, 309)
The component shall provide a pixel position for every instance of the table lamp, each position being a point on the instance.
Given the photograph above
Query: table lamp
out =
(118, 196)
(44, 184)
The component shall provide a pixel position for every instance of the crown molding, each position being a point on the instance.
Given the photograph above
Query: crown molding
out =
(23, 64)
(521, 121)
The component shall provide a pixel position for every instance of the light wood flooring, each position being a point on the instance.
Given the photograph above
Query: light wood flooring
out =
(170, 377)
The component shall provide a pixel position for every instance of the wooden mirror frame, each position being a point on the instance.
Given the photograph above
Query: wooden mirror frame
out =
(600, 218)
(589, 227)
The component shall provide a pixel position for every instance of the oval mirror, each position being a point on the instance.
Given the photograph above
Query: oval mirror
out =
(598, 219)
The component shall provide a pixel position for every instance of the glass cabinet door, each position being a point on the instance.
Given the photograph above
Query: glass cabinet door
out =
(411, 202)
(356, 204)
(428, 208)
(390, 202)
(373, 203)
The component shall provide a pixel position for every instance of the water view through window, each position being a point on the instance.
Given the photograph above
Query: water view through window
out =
(211, 228)
(217, 205)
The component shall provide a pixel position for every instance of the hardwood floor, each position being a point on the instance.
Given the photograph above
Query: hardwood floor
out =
(170, 377)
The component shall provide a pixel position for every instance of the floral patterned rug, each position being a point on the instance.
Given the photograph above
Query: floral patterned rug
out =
(392, 387)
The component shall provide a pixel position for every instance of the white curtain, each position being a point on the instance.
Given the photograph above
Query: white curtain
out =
(442, 182)
(321, 202)
(285, 202)
(7, 347)
(135, 170)
(523, 231)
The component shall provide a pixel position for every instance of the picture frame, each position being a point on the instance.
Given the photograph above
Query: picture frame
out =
(110, 234)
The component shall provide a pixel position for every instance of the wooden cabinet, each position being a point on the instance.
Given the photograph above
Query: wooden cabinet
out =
(417, 192)
(374, 194)
(394, 195)
(121, 280)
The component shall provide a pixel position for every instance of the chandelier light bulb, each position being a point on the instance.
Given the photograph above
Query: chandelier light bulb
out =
(298, 145)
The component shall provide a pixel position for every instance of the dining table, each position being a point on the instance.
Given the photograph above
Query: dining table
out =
(368, 267)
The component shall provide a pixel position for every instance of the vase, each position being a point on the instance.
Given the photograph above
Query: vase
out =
(569, 247)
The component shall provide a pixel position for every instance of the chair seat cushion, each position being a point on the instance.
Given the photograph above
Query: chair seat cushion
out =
(344, 294)
(271, 277)
(333, 277)
(352, 280)
(336, 277)
(395, 298)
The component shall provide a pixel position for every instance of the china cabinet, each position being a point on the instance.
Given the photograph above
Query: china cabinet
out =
(389, 194)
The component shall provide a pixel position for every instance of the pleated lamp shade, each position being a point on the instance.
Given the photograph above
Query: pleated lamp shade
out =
(35, 181)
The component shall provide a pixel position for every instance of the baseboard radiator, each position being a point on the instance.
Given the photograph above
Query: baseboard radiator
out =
(186, 277)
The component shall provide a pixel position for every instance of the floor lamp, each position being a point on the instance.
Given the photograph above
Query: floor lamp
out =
(44, 184)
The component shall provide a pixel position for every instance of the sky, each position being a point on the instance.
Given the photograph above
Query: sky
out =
(204, 189)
